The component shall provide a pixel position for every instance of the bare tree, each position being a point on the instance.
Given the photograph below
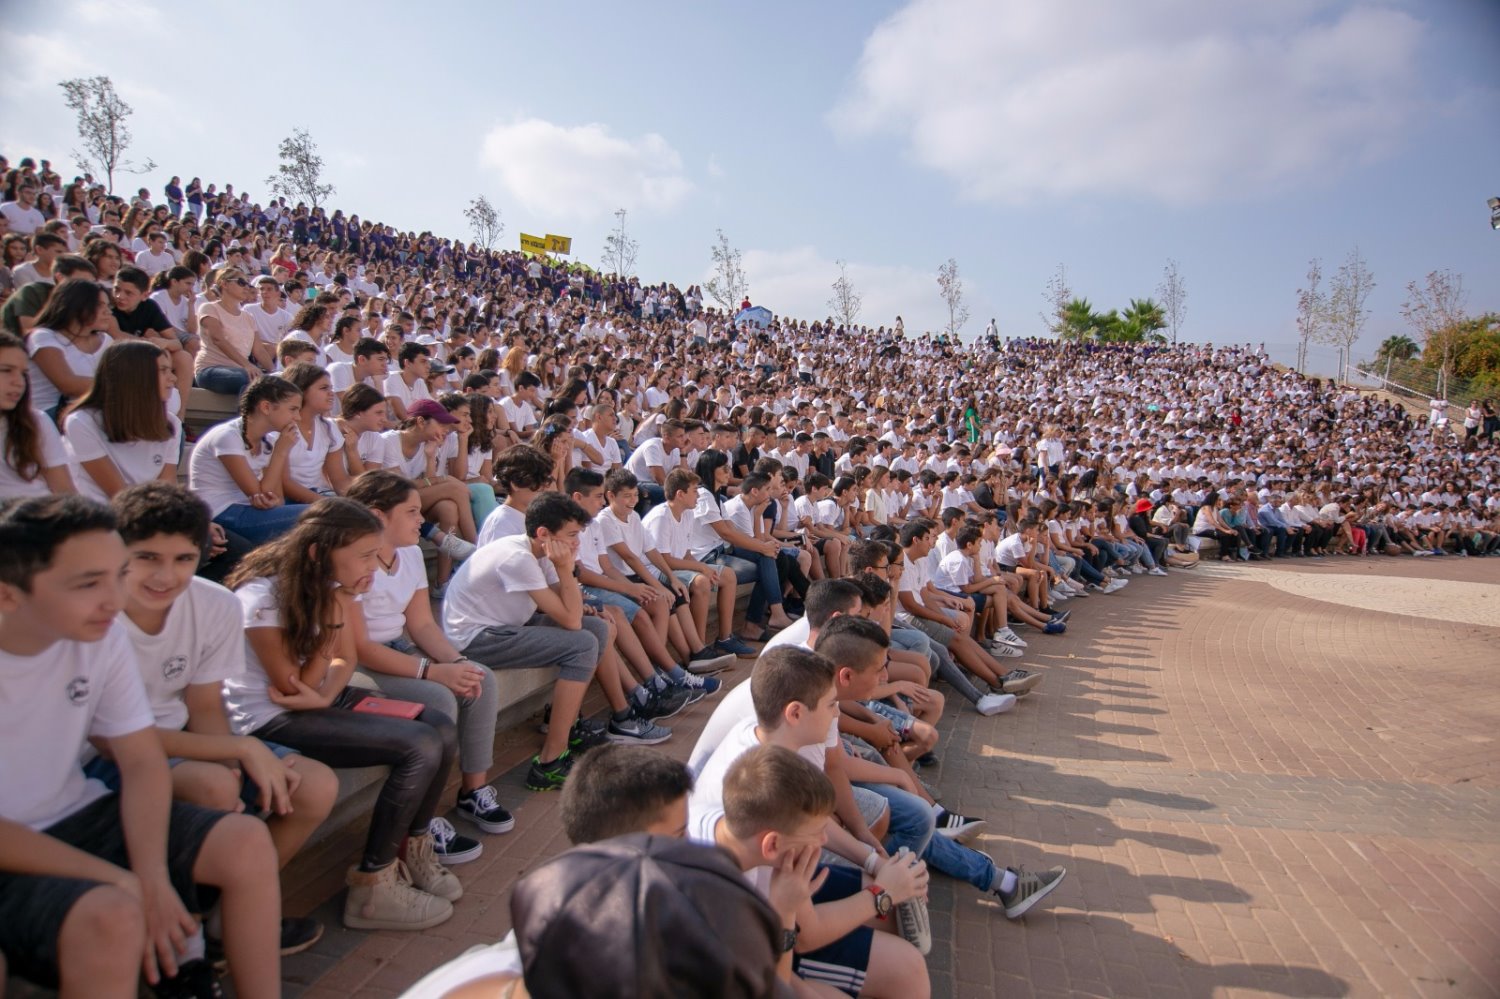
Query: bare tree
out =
(300, 175)
(1057, 295)
(620, 250)
(1173, 295)
(484, 220)
(101, 126)
(846, 299)
(951, 287)
(1434, 310)
(1347, 294)
(729, 285)
(1312, 307)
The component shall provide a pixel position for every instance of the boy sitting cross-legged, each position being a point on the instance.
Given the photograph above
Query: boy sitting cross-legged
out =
(185, 632)
(95, 887)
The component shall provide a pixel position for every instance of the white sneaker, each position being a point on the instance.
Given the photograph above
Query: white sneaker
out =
(1137, 569)
(1057, 596)
(1007, 637)
(1002, 650)
(995, 704)
(1157, 571)
(1115, 586)
(455, 547)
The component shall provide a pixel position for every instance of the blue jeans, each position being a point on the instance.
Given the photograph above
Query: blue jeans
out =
(259, 526)
(909, 814)
(768, 582)
(224, 380)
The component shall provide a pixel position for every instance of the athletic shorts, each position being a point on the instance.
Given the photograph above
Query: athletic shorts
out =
(843, 963)
(33, 908)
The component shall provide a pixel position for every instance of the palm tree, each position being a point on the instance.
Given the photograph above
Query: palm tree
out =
(1146, 315)
(1079, 321)
(1397, 348)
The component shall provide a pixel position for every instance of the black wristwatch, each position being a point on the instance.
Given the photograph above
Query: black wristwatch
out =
(788, 940)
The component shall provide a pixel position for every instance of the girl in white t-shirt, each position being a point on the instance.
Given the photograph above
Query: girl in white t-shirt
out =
(65, 344)
(316, 465)
(33, 461)
(238, 472)
(120, 433)
(299, 613)
(404, 653)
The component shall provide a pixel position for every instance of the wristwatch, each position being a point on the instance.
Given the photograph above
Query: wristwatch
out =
(788, 940)
(883, 902)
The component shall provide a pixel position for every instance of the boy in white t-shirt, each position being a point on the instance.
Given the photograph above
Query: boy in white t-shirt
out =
(109, 879)
(185, 632)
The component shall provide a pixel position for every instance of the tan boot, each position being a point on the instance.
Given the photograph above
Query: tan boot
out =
(387, 900)
(427, 872)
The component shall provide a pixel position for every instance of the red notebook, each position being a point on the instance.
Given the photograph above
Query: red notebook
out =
(389, 707)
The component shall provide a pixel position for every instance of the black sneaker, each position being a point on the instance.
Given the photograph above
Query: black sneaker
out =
(958, 827)
(298, 933)
(662, 703)
(194, 980)
(696, 692)
(1030, 889)
(450, 846)
(482, 808)
(549, 776)
(710, 660)
(585, 735)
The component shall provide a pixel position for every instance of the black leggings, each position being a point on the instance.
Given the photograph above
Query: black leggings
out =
(419, 752)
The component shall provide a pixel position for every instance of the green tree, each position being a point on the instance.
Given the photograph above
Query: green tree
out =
(1397, 348)
(1140, 322)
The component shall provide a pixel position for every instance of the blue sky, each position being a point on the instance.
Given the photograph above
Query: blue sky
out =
(1239, 139)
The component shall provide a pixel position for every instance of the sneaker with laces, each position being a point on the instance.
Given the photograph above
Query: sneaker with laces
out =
(736, 646)
(427, 871)
(1031, 888)
(995, 704)
(1157, 571)
(1062, 616)
(585, 735)
(298, 933)
(482, 807)
(1002, 650)
(960, 828)
(1008, 637)
(709, 685)
(456, 547)
(549, 776)
(450, 846)
(387, 900)
(1054, 628)
(663, 703)
(1019, 682)
(710, 660)
(194, 980)
(638, 730)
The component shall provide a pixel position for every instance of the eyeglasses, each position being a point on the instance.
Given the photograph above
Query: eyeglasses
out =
(242, 282)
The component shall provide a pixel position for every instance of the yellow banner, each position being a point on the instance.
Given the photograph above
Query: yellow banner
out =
(533, 244)
(559, 244)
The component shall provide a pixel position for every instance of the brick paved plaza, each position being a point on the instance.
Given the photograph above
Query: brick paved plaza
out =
(1262, 781)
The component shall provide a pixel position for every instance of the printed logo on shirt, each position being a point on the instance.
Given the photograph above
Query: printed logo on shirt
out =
(156, 459)
(78, 690)
(174, 667)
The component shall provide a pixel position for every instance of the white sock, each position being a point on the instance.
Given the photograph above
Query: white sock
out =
(937, 810)
(192, 949)
(1008, 881)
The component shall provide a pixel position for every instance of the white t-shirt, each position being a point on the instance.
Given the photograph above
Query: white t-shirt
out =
(666, 533)
(631, 530)
(384, 605)
(954, 572)
(24, 221)
(520, 415)
(608, 448)
(394, 456)
(493, 588)
(54, 455)
(207, 475)
(705, 514)
(740, 515)
(396, 388)
(269, 326)
(304, 465)
(50, 704)
(44, 395)
(503, 522)
(651, 455)
(706, 802)
(154, 263)
(177, 313)
(245, 699)
(135, 461)
(199, 643)
(341, 377)
(1011, 550)
(592, 547)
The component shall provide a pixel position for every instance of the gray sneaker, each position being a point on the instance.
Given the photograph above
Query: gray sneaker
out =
(455, 547)
(638, 731)
(1030, 889)
(1019, 682)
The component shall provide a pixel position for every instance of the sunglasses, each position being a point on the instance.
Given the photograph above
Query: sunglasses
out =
(241, 282)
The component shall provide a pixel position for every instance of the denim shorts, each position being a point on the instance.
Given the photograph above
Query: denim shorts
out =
(902, 721)
(107, 773)
(598, 598)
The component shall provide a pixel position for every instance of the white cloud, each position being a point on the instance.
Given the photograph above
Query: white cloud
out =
(583, 171)
(798, 282)
(1173, 100)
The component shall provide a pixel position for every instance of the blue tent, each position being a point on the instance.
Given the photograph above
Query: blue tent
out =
(757, 314)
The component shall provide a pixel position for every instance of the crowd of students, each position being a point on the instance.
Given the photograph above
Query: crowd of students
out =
(449, 462)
